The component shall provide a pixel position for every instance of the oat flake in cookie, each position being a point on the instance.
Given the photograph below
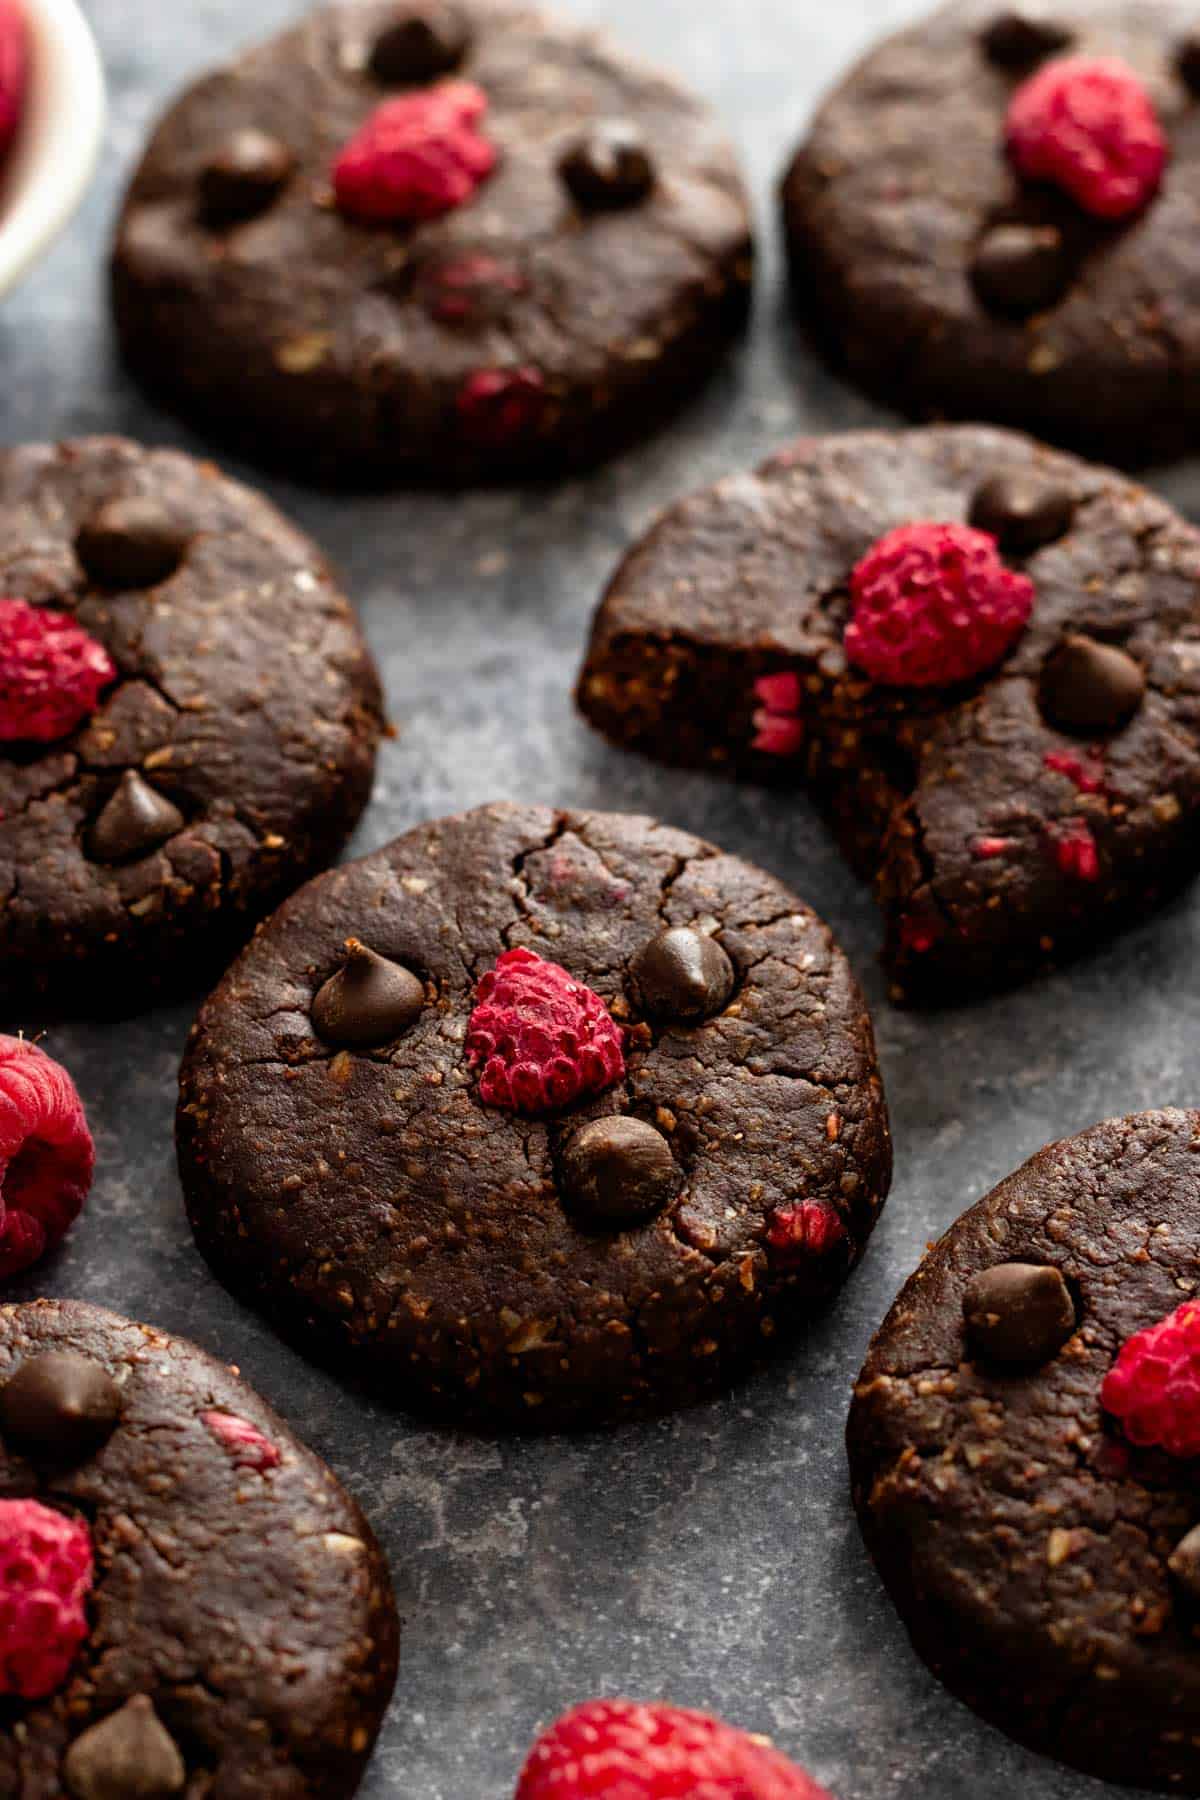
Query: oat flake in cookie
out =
(193, 1605)
(1023, 1449)
(455, 240)
(188, 720)
(991, 218)
(982, 658)
(634, 1133)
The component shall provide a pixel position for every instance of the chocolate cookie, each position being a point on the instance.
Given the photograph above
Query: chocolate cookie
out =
(1007, 817)
(188, 719)
(633, 1131)
(1034, 1534)
(961, 248)
(209, 1612)
(450, 240)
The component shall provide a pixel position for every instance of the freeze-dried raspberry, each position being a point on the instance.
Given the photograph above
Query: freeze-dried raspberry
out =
(470, 290)
(620, 1750)
(418, 156)
(1084, 770)
(497, 406)
(933, 604)
(985, 848)
(919, 932)
(777, 729)
(46, 1154)
(539, 1038)
(809, 1229)
(244, 1441)
(1088, 125)
(1074, 849)
(46, 1570)
(51, 673)
(14, 69)
(1153, 1388)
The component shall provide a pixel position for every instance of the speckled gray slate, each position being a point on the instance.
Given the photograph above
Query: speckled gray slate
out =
(712, 1558)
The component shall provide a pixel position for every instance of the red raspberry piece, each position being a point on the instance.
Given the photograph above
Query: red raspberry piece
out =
(1088, 125)
(51, 673)
(540, 1039)
(918, 933)
(620, 1750)
(46, 1154)
(795, 1233)
(418, 156)
(244, 1441)
(777, 729)
(46, 1570)
(1153, 1388)
(987, 847)
(1074, 850)
(14, 69)
(1085, 772)
(934, 604)
(496, 406)
(470, 290)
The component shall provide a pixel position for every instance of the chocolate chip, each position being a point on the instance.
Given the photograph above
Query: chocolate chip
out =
(608, 167)
(59, 1407)
(420, 44)
(682, 974)
(244, 177)
(130, 543)
(618, 1170)
(1187, 61)
(1020, 269)
(128, 1756)
(1018, 37)
(135, 820)
(1018, 1313)
(1090, 687)
(1184, 1563)
(368, 1002)
(1023, 513)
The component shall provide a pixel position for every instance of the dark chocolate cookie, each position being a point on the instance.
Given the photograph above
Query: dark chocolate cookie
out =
(219, 752)
(532, 256)
(1035, 1553)
(227, 1629)
(1006, 820)
(596, 1179)
(951, 285)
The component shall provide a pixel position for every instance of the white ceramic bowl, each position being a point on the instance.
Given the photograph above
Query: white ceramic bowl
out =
(59, 140)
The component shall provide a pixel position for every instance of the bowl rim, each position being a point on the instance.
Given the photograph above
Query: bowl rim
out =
(56, 150)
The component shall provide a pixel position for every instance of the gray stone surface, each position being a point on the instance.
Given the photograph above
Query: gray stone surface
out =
(711, 1558)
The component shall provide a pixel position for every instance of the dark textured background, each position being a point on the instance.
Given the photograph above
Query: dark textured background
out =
(711, 1558)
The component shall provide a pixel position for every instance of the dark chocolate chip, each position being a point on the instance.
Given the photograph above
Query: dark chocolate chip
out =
(682, 974)
(608, 167)
(1023, 513)
(1090, 687)
(244, 177)
(135, 820)
(368, 1002)
(128, 1756)
(1187, 61)
(618, 1170)
(130, 543)
(422, 43)
(59, 1407)
(1019, 1313)
(1018, 37)
(1021, 269)
(1184, 1563)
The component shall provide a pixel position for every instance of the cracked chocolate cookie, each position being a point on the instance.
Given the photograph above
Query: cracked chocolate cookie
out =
(188, 720)
(537, 1117)
(455, 240)
(1023, 1445)
(190, 1603)
(991, 217)
(981, 657)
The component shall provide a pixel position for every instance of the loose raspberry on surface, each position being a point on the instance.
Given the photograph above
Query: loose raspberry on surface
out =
(244, 1441)
(14, 68)
(1153, 1388)
(540, 1039)
(1088, 125)
(417, 156)
(500, 406)
(46, 1571)
(933, 604)
(1074, 849)
(809, 1229)
(778, 731)
(46, 1154)
(620, 1750)
(51, 673)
